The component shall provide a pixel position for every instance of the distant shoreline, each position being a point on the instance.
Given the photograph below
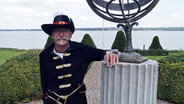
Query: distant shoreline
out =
(111, 28)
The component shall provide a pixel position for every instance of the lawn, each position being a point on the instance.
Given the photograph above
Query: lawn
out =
(154, 57)
(6, 53)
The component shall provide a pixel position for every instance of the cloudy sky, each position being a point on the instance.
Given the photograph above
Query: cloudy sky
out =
(29, 14)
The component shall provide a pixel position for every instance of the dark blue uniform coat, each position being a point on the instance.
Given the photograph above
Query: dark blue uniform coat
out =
(63, 76)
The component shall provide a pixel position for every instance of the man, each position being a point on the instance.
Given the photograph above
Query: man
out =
(64, 63)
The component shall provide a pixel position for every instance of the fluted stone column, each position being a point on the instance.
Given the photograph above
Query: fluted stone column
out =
(129, 83)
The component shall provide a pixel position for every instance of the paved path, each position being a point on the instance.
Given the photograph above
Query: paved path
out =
(92, 81)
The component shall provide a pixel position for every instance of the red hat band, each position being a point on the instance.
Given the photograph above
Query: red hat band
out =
(61, 23)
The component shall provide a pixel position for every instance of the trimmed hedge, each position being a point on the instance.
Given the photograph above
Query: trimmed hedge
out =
(49, 42)
(87, 40)
(171, 79)
(158, 52)
(155, 44)
(119, 42)
(20, 78)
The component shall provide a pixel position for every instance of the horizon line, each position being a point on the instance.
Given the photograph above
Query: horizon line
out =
(103, 28)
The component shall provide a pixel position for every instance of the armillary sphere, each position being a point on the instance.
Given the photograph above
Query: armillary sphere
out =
(126, 13)
(122, 11)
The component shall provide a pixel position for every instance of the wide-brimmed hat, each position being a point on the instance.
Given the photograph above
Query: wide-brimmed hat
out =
(60, 21)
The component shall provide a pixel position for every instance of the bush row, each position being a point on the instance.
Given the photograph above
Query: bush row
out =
(20, 78)
(158, 52)
(171, 79)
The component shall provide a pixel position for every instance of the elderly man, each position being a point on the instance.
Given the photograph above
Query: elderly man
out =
(64, 63)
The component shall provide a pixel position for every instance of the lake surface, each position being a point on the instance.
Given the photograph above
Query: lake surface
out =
(170, 40)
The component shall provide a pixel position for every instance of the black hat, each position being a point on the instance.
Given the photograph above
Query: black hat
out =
(60, 21)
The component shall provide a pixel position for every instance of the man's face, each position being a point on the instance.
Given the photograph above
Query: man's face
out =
(61, 36)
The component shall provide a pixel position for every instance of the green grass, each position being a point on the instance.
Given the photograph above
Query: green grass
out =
(155, 57)
(6, 53)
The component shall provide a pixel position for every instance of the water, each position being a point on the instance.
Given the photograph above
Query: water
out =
(170, 40)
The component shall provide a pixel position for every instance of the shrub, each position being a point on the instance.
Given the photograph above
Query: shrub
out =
(87, 40)
(158, 52)
(172, 59)
(155, 44)
(49, 42)
(20, 78)
(119, 42)
(171, 79)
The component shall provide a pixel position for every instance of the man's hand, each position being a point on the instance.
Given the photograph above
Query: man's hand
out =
(111, 58)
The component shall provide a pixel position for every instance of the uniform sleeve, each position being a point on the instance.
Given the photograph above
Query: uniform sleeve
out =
(95, 54)
(43, 75)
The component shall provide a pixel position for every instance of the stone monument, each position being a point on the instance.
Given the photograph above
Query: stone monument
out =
(134, 79)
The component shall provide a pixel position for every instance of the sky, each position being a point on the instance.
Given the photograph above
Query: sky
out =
(31, 14)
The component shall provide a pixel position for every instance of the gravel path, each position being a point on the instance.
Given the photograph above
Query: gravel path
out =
(92, 81)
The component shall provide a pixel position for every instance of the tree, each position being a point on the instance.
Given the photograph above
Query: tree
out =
(119, 42)
(155, 45)
(87, 40)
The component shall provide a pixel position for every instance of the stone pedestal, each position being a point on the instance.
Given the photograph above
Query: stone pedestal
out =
(129, 83)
